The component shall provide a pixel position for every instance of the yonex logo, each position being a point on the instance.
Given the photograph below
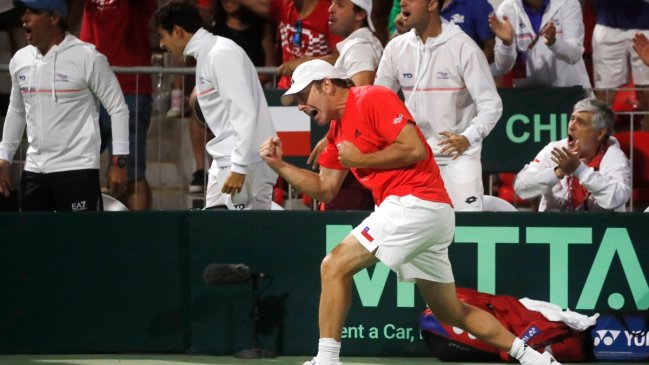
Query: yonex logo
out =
(605, 337)
(633, 338)
(531, 332)
(407, 75)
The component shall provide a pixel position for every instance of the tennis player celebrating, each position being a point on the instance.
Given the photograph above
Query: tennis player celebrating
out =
(372, 134)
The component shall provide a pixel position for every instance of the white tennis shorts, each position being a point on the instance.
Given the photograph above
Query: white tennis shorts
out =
(256, 194)
(411, 236)
(612, 53)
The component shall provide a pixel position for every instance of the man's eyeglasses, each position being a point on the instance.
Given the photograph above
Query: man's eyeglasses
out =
(296, 39)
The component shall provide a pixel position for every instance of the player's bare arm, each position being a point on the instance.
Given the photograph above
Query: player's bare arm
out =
(406, 150)
(322, 187)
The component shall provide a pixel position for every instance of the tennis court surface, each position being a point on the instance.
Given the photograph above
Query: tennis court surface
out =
(213, 360)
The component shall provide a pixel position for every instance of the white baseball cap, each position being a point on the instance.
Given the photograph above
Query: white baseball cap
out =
(367, 6)
(308, 72)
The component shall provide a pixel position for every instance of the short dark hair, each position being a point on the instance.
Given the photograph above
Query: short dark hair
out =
(178, 12)
(358, 9)
(63, 21)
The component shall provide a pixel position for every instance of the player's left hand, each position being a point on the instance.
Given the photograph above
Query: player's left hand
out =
(117, 179)
(233, 183)
(349, 155)
(454, 144)
(550, 34)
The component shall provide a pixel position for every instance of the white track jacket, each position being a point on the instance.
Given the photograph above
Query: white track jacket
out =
(447, 86)
(55, 96)
(609, 188)
(232, 100)
(558, 65)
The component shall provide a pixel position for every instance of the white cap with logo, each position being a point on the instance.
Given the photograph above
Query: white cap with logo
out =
(308, 72)
(367, 6)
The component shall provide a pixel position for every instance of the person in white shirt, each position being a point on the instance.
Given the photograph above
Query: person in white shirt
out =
(234, 106)
(547, 36)
(448, 87)
(586, 171)
(360, 53)
(56, 81)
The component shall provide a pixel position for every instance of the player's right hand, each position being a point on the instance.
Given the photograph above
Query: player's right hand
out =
(271, 151)
(5, 178)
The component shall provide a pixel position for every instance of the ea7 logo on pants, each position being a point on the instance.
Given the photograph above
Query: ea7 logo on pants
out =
(79, 206)
(605, 337)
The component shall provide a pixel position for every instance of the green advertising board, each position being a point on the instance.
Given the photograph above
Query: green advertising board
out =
(531, 118)
(133, 282)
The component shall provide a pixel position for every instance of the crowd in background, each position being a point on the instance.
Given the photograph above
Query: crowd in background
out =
(590, 43)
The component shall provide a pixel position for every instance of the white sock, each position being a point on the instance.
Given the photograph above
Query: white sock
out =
(525, 354)
(328, 351)
(518, 348)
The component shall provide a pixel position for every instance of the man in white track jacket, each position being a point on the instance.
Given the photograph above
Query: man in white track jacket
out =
(56, 82)
(586, 171)
(448, 87)
(233, 104)
(548, 36)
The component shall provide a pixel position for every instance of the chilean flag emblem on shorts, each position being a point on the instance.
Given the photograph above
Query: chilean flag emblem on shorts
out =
(366, 233)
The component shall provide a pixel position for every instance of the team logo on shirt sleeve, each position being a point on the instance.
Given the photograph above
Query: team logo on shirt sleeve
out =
(366, 233)
(398, 119)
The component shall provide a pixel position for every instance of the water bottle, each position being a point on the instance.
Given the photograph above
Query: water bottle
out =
(161, 86)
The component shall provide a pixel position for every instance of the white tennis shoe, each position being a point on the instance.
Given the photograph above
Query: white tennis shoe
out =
(314, 361)
(535, 358)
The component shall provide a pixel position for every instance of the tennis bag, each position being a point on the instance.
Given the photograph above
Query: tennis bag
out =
(621, 337)
(453, 344)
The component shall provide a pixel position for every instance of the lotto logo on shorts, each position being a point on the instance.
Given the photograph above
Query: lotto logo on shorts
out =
(366, 233)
